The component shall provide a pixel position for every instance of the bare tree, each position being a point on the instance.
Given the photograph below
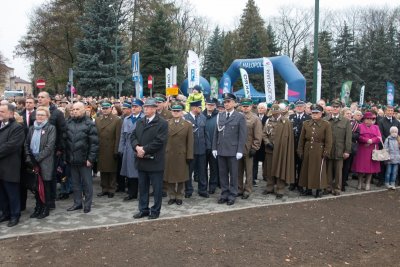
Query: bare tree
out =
(293, 27)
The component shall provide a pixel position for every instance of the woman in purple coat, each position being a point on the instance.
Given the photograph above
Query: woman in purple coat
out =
(369, 139)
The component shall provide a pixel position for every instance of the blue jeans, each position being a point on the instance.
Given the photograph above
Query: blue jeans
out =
(391, 173)
(156, 179)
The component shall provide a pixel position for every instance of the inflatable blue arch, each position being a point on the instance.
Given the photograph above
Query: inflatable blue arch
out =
(282, 64)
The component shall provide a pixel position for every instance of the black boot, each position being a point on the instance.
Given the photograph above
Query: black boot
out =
(307, 192)
(45, 212)
(318, 193)
(37, 212)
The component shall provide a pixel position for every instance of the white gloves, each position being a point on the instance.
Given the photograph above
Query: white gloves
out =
(239, 156)
(214, 152)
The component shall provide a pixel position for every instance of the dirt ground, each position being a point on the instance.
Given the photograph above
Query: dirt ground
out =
(347, 231)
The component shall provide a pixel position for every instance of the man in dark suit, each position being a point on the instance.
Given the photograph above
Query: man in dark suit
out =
(228, 144)
(148, 141)
(28, 115)
(297, 120)
(11, 139)
(201, 141)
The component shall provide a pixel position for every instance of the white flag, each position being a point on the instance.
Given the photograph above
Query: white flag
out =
(193, 70)
(167, 78)
(246, 83)
(319, 81)
(286, 91)
(362, 92)
(174, 78)
(269, 81)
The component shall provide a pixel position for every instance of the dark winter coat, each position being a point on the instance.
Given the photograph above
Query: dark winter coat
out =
(12, 137)
(153, 137)
(57, 119)
(82, 142)
(211, 123)
(46, 150)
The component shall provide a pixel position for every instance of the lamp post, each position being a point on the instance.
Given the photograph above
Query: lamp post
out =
(315, 69)
(116, 50)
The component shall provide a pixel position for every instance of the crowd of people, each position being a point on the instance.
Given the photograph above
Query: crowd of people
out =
(156, 147)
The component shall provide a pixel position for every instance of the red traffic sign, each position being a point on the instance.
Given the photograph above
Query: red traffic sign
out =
(150, 82)
(40, 83)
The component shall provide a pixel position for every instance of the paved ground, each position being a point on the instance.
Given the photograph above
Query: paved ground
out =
(110, 212)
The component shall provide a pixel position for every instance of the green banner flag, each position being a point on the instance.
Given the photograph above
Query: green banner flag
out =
(345, 93)
(214, 87)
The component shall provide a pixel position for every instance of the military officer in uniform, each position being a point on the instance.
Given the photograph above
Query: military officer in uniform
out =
(279, 151)
(228, 145)
(109, 131)
(314, 147)
(297, 120)
(163, 112)
(341, 147)
(253, 143)
(162, 109)
(201, 141)
(178, 154)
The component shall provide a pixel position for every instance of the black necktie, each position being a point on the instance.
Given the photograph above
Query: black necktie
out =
(227, 115)
(147, 121)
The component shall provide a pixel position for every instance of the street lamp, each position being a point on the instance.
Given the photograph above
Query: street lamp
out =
(116, 50)
(315, 70)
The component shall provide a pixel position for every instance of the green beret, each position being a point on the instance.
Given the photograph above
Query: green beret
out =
(246, 102)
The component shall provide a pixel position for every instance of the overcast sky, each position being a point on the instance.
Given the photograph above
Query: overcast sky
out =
(14, 18)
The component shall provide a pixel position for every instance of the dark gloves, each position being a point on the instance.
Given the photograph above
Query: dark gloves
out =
(252, 152)
(270, 146)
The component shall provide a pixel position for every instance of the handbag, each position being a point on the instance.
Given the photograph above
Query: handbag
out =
(380, 155)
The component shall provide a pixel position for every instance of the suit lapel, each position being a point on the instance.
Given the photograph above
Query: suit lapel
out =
(176, 127)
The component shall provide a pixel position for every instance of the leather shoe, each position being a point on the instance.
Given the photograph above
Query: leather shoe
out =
(13, 222)
(188, 195)
(292, 187)
(153, 216)
(222, 201)
(205, 195)
(110, 195)
(240, 194)
(4, 218)
(129, 198)
(211, 192)
(245, 196)
(101, 194)
(87, 210)
(230, 202)
(179, 202)
(171, 201)
(74, 208)
(279, 196)
(164, 194)
(307, 192)
(318, 193)
(141, 214)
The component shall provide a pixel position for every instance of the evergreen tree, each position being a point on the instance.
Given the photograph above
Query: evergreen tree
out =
(252, 27)
(272, 42)
(345, 62)
(213, 59)
(96, 49)
(325, 58)
(158, 53)
(230, 51)
(304, 65)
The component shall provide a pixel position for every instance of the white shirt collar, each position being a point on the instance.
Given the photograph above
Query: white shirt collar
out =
(151, 118)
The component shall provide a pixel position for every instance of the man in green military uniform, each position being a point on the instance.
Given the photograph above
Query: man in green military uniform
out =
(179, 152)
(279, 152)
(341, 147)
(314, 147)
(253, 143)
(109, 130)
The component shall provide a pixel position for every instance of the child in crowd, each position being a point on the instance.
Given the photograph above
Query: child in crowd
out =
(392, 144)
(196, 95)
